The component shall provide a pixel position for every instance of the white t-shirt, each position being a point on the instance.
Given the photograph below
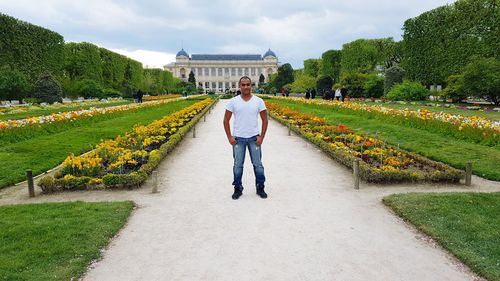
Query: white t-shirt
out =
(246, 115)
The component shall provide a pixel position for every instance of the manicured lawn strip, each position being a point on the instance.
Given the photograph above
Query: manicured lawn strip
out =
(56, 241)
(466, 224)
(45, 152)
(486, 114)
(431, 145)
(40, 112)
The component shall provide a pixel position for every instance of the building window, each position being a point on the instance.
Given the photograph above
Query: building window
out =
(207, 72)
(219, 71)
(199, 71)
(214, 85)
(233, 85)
(240, 72)
(207, 84)
(212, 71)
(233, 71)
(220, 85)
(246, 71)
(226, 71)
(183, 73)
(227, 85)
(253, 71)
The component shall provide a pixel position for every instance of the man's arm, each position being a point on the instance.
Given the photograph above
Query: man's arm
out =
(227, 128)
(263, 116)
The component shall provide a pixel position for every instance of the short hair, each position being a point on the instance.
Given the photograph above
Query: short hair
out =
(245, 78)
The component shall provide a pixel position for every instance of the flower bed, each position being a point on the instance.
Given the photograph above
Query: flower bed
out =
(380, 162)
(161, 97)
(72, 115)
(477, 129)
(126, 161)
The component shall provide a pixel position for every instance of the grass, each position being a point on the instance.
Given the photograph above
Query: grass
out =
(466, 224)
(457, 111)
(47, 151)
(432, 145)
(47, 111)
(56, 241)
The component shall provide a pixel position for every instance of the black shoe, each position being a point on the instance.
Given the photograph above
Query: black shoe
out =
(237, 192)
(261, 192)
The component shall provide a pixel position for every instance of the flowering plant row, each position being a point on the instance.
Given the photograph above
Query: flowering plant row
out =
(161, 97)
(71, 115)
(126, 160)
(474, 128)
(28, 106)
(380, 162)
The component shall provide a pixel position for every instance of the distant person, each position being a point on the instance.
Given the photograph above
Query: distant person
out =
(343, 92)
(313, 93)
(337, 94)
(287, 93)
(140, 94)
(308, 94)
(246, 109)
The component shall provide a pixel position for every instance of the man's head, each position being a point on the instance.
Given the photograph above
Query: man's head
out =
(245, 85)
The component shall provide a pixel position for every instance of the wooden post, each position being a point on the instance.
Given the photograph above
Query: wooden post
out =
(356, 173)
(289, 129)
(31, 186)
(468, 173)
(155, 182)
(194, 131)
(204, 118)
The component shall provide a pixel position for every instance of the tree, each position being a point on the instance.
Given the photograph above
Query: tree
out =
(284, 76)
(481, 78)
(442, 41)
(324, 83)
(393, 75)
(367, 55)
(408, 91)
(455, 89)
(88, 88)
(302, 81)
(13, 85)
(47, 89)
(331, 64)
(311, 67)
(191, 78)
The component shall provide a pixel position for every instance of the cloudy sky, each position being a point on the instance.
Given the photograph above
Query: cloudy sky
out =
(153, 31)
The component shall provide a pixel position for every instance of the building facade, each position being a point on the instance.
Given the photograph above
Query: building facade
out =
(223, 72)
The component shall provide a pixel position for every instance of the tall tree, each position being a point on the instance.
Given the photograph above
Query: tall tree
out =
(191, 78)
(311, 67)
(331, 63)
(285, 76)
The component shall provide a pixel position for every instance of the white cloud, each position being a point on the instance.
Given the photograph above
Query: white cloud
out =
(149, 59)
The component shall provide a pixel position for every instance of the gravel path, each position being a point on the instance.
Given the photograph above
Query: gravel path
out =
(313, 226)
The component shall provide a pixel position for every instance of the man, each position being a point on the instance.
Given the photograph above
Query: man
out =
(246, 109)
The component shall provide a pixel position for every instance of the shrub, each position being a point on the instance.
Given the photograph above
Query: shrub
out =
(13, 85)
(48, 185)
(408, 91)
(373, 86)
(481, 78)
(393, 75)
(89, 89)
(47, 89)
(111, 93)
(354, 83)
(455, 89)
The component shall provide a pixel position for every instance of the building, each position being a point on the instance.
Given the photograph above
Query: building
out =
(223, 72)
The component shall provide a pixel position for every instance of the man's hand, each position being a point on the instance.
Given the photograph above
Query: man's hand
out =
(259, 140)
(232, 140)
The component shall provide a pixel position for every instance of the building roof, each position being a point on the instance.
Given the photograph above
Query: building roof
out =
(225, 57)
(182, 53)
(269, 53)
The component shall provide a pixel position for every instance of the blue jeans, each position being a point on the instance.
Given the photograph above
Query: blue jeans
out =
(239, 150)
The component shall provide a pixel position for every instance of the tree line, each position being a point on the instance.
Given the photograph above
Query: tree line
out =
(38, 65)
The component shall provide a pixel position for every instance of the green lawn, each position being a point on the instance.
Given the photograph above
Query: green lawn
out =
(439, 147)
(44, 152)
(466, 224)
(457, 111)
(56, 241)
(47, 111)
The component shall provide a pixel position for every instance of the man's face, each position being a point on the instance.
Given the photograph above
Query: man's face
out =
(245, 86)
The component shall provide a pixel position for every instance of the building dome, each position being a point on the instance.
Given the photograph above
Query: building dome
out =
(182, 53)
(269, 53)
